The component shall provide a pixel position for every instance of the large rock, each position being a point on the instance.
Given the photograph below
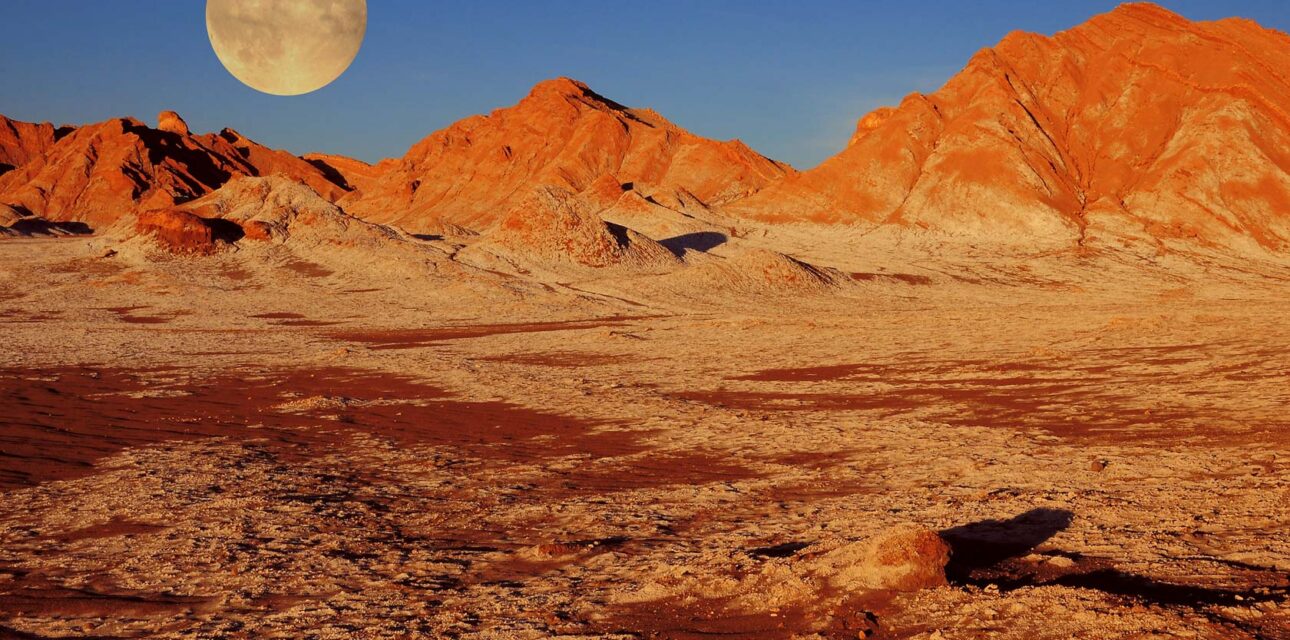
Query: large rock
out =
(1137, 123)
(183, 232)
(171, 122)
(563, 135)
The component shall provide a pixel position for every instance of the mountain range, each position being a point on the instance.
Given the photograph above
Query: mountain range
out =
(1138, 126)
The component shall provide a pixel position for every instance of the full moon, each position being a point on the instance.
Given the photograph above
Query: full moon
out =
(286, 47)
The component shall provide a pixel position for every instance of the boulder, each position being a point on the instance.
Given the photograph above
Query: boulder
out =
(183, 232)
(171, 122)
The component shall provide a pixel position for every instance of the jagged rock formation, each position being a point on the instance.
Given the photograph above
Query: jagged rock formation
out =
(1136, 123)
(564, 135)
(99, 173)
(22, 141)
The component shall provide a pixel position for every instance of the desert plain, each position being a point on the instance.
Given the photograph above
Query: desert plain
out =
(569, 371)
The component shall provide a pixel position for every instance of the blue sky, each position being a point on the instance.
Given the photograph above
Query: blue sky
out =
(789, 78)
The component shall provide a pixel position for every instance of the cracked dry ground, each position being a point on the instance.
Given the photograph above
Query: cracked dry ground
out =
(1111, 468)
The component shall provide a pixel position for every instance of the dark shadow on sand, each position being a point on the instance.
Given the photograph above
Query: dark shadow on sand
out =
(225, 230)
(43, 227)
(983, 545)
(697, 241)
(993, 552)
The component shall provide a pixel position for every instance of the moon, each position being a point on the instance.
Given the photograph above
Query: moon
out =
(286, 47)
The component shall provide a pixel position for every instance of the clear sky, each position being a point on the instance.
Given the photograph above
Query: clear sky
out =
(789, 78)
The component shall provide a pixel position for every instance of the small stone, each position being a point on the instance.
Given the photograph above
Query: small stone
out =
(1061, 562)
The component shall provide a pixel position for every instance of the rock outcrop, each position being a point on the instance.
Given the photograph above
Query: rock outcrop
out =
(22, 141)
(1137, 123)
(562, 135)
(753, 272)
(171, 122)
(183, 232)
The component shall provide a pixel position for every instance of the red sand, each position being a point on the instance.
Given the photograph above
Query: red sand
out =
(60, 422)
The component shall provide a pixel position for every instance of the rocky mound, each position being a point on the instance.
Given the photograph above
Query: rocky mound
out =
(273, 209)
(906, 557)
(1136, 123)
(622, 205)
(99, 173)
(564, 135)
(753, 271)
(554, 226)
(815, 579)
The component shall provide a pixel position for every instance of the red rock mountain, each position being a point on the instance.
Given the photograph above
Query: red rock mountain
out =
(562, 135)
(1137, 123)
(98, 173)
(22, 141)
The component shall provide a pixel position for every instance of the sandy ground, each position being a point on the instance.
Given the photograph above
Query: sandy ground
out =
(256, 445)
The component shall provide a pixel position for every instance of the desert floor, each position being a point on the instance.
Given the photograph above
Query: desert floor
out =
(228, 446)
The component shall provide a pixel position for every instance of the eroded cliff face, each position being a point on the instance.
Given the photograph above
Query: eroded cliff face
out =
(562, 135)
(1136, 123)
(22, 141)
